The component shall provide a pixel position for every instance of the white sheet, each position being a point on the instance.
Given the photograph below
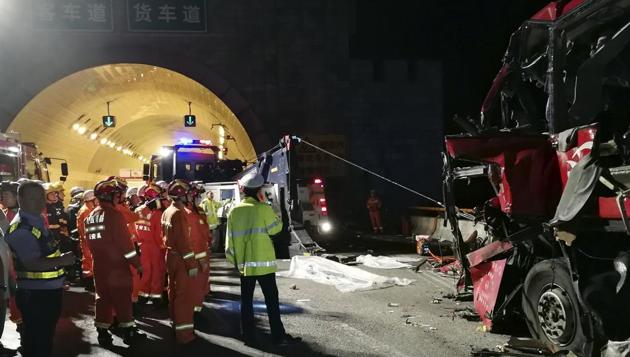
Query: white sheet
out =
(344, 278)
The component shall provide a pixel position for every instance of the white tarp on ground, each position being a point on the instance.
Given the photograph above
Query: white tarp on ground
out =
(344, 278)
(381, 262)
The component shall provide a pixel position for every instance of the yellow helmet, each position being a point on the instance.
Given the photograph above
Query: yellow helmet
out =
(56, 186)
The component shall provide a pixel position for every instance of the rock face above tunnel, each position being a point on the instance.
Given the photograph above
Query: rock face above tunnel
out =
(280, 67)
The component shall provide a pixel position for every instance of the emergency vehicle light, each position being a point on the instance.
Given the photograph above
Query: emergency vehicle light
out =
(317, 181)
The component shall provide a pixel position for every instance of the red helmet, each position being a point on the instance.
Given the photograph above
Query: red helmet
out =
(196, 188)
(121, 182)
(152, 191)
(178, 188)
(105, 190)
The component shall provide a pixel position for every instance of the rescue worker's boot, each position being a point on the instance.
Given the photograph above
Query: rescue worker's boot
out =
(104, 337)
(131, 336)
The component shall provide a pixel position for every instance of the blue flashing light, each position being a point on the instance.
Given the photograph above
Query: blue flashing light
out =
(185, 141)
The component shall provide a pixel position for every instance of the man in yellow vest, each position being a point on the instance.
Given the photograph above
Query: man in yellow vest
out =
(210, 207)
(249, 247)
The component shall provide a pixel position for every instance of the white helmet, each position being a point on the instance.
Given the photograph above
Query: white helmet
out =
(88, 195)
(252, 180)
(163, 185)
(132, 191)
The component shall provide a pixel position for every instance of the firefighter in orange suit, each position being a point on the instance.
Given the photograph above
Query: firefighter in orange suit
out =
(130, 220)
(374, 209)
(87, 263)
(149, 229)
(200, 238)
(114, 253)
(180, 262)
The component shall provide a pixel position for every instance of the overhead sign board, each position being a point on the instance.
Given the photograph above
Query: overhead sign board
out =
(109, 121)
(167, 15)
(190, 121)
(72, 15)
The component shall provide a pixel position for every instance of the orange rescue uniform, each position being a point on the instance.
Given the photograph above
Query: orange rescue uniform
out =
(200, 239)
(180, 258)
(130, 219)
(113, 252)
(149, 230)
(87, 263)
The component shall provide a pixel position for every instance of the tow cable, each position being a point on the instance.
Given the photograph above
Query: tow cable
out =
(438, 203)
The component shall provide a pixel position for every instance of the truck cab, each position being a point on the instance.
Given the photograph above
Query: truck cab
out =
(192, 160)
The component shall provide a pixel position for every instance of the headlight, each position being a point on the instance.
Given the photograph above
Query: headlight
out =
(325, 227)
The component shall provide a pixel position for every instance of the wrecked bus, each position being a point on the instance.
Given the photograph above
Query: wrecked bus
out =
(551, 152)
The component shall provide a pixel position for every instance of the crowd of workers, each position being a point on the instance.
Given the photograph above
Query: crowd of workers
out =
(132, 246)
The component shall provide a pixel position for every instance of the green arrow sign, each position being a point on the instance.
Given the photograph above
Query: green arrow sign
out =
(190, 121)
(109, 121)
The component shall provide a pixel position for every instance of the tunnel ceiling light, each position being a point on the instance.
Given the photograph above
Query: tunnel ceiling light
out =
(111, 144)
(76, 126)
(103, 141)
(93, 136)
(119, 148)
(82, 130)
(164, 151)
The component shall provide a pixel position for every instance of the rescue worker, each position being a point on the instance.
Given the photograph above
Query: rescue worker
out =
(200, 238)
(374, 210)
(8, 193)
(113, 252)
(76, 197)
(180, 262)
(8, 196)
(133, 200)
(130, 219)
(165, 199)
(149, 230)
(249, 247)
(39, 267)
(54, 213)
(87, 262)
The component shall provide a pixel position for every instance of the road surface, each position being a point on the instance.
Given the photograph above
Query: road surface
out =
(331, 323)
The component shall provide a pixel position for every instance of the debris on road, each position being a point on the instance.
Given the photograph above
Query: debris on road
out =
(294, 287)
(617, 349)
(381, 262)
(393, 304)
(436, 301)
(303, 300)
(344, 278)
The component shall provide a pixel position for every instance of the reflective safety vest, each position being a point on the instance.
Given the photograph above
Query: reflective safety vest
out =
(211, 208)
(248, 244)
(49, 248)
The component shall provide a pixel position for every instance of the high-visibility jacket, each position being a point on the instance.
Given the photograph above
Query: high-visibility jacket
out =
(248, 243)
(211, 208)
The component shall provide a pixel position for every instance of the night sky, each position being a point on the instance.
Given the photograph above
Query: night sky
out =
(468, 37)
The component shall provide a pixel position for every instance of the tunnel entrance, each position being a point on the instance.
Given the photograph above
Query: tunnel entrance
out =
(149, 103)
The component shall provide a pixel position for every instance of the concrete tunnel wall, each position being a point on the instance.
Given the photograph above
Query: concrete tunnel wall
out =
(149, 103)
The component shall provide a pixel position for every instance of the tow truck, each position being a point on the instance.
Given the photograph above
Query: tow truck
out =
(551, 152)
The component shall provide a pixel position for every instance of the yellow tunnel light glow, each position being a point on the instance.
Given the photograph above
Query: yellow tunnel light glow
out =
(103, 141)
(82, 130)
(76, 126)
(93, 136)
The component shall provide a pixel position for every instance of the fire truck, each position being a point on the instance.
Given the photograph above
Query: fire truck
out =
(549, 161)
(23, 160)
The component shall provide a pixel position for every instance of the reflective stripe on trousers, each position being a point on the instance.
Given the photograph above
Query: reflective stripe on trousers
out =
(184, 327)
